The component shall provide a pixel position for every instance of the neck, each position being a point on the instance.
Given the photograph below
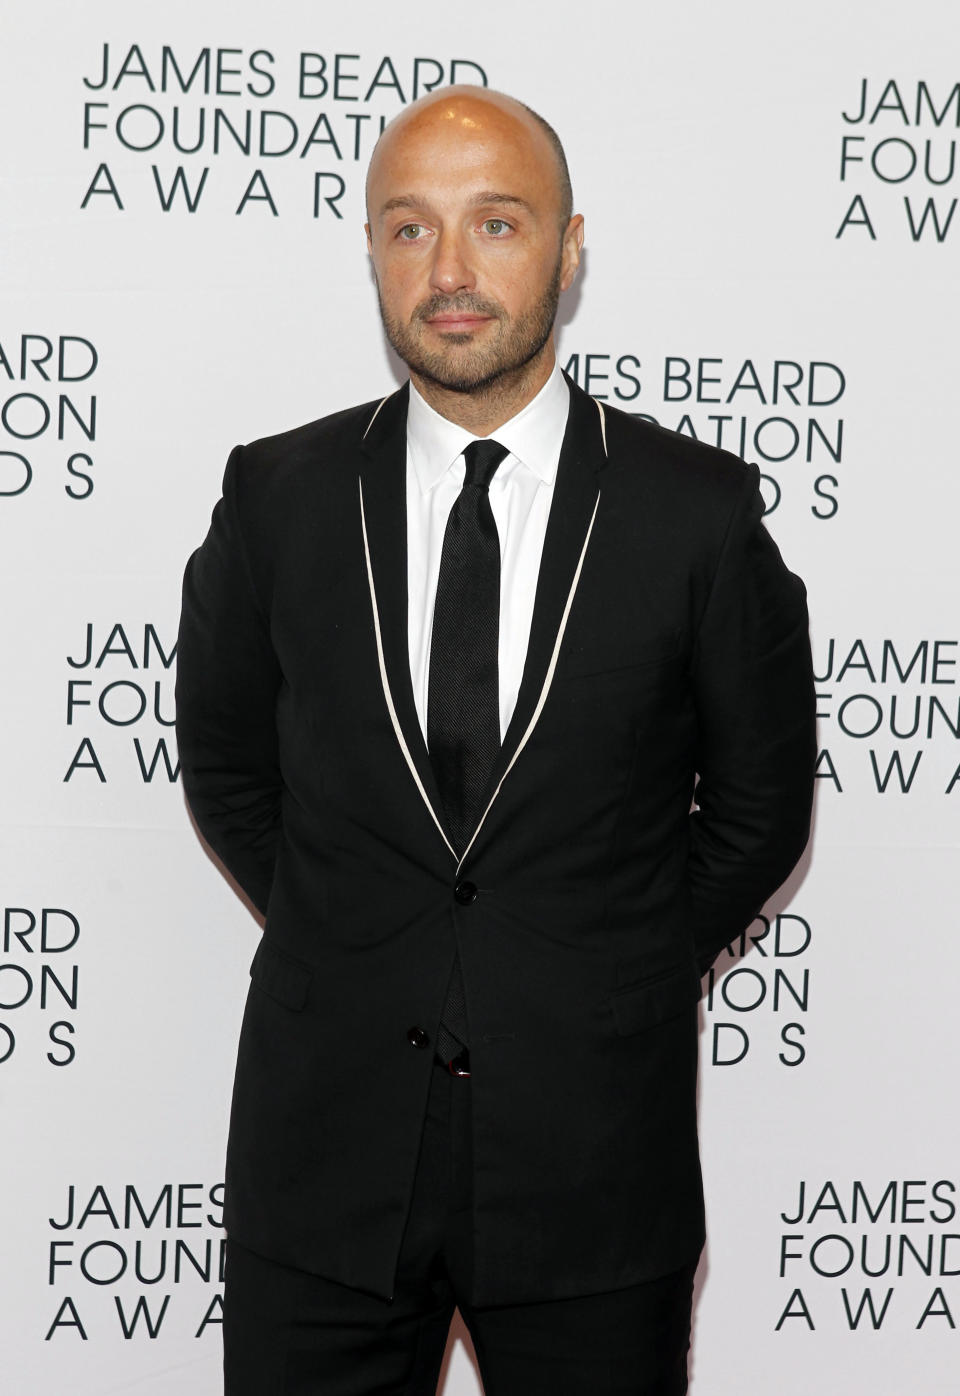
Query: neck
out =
(483, 411)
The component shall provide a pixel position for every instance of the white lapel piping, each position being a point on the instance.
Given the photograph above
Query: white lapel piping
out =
(603, 424)
(385, 681)
(380, 404)
(548, 680)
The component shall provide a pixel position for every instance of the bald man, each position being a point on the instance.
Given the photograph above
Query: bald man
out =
(454, 669)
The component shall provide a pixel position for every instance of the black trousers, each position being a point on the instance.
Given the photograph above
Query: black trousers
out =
(289, 1333)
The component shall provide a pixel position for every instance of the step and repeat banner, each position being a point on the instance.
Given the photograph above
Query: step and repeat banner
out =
(772, 265)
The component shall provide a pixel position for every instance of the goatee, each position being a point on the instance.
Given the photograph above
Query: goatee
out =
(454, 367)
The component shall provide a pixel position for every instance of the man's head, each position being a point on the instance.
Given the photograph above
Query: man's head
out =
(468, 202)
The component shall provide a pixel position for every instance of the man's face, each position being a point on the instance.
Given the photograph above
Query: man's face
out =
(467, 243)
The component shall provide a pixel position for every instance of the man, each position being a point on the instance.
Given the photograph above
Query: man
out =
(441, 706)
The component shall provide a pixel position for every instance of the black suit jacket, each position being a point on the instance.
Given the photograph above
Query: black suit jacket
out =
(668, 639)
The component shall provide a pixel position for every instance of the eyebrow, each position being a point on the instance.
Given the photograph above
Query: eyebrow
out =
(490, 196)
(485, 196)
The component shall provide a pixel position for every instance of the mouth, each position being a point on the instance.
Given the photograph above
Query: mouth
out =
(457, 322)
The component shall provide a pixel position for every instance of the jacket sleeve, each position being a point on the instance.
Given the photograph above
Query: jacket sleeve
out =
(228, 678)
(753, 684)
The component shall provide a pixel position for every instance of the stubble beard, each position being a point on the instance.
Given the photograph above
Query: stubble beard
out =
(482, 371)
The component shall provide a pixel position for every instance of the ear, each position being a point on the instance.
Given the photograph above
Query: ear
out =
(366, 229)
(571, 246)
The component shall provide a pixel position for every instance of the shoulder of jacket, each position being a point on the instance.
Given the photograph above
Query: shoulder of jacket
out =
(675, 459)
(305, 441)
(274, 470)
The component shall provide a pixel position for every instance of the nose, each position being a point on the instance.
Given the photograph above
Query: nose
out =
(451, 270)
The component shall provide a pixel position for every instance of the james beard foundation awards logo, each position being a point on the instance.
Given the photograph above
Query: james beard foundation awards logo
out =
(869, 1254)
(784, 414)
(898, 161)
(760, 1008)
(39, 985)
(135, 1261)
(243, 131)
(888, 714)
(120, 703)
(48, 413)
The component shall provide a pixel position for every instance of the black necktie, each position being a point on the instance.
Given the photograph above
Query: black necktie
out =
(463, 697)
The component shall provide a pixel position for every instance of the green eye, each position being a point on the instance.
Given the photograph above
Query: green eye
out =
(495, 226)
(410, 231)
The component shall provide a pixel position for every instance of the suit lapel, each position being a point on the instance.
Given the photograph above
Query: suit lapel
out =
(568, 529)
(383, 502)
(383, 510)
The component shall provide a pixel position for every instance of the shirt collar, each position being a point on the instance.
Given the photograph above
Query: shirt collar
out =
(534, 436)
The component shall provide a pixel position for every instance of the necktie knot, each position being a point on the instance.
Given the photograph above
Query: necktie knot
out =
(482, 459)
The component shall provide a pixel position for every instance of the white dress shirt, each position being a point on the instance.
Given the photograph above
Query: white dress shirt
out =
(521, 493)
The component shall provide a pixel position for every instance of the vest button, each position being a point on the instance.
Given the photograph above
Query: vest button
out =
(417, 1037)
(465, 893)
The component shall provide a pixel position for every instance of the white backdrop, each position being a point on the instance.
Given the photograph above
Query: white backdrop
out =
(772, 244)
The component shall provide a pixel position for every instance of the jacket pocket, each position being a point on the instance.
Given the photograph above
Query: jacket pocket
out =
(284, 979)
(645, 1005)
